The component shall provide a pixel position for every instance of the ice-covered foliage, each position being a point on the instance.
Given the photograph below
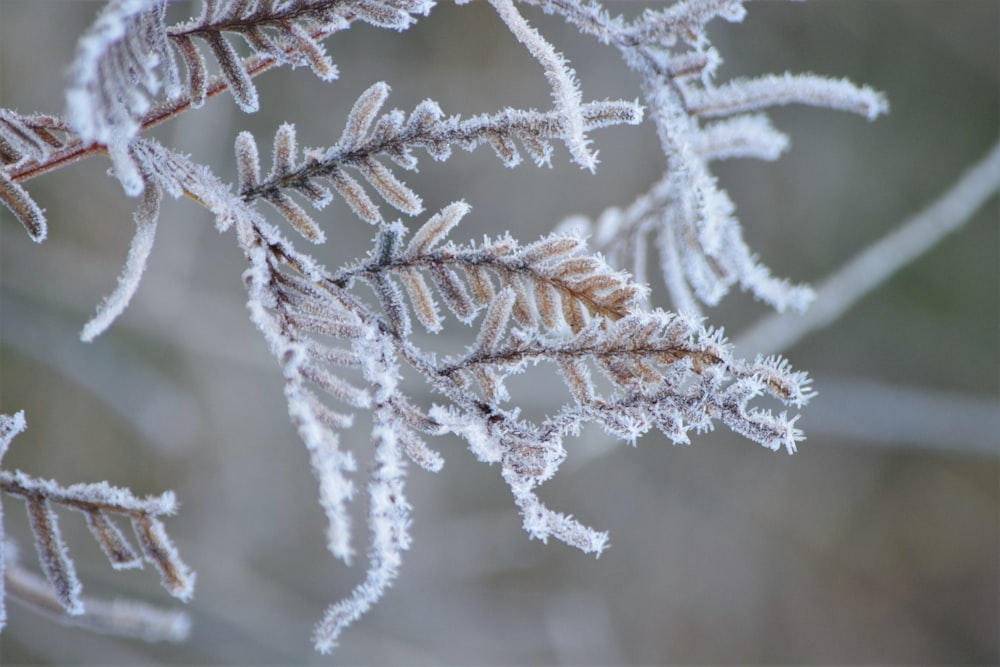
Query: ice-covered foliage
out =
(341, 336)
(60, 593)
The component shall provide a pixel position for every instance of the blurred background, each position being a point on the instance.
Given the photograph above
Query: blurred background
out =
(879, 542)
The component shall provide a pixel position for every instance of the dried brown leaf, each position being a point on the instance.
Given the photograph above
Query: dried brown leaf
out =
(296, 215)
(355, 196)
(24, 208)
(113, 543)
(424, 306)
(391, 188)
(434, 230)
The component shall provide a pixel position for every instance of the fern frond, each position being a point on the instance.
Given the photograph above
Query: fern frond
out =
(565, 90)
(367, 137)
(129, 57)
(162, 170)
(702, 251)
(114, 79)
(93, 500)
(98, 502)
(527, 455)
(665, 371)
(288, 309)
(389, 511)
(653, 361)
(553, 281)
(28, 138)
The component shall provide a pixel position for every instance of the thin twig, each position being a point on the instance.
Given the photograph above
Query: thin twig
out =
(872, 266)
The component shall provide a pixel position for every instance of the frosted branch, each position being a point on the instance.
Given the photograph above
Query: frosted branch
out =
(60, 592)
(114, 79)
(135, 264)
(740, 95)
(367, 137)
(24, 208)
(565, 91)
(122, 618)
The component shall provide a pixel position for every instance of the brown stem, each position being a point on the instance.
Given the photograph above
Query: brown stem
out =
(163, 112)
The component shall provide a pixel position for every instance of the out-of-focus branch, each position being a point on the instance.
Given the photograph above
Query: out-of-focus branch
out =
(871, 267)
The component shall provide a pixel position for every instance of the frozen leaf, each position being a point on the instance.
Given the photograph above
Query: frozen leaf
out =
(362, 115)
(24, 208)
(565, 91)
(453, 292)
(157, 548)
(135, 264)
(494, 323)
(355, 196)
(434, 230)
(114, 78)
(424, 305)
(247, 161)
(235, 75)
(391, 188)
(113, 543)
(296, 215)
(285, 150)
(742, 95)
(10, 426)
(52, 554)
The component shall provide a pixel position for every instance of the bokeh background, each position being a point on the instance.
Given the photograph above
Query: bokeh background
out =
(878, 543)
